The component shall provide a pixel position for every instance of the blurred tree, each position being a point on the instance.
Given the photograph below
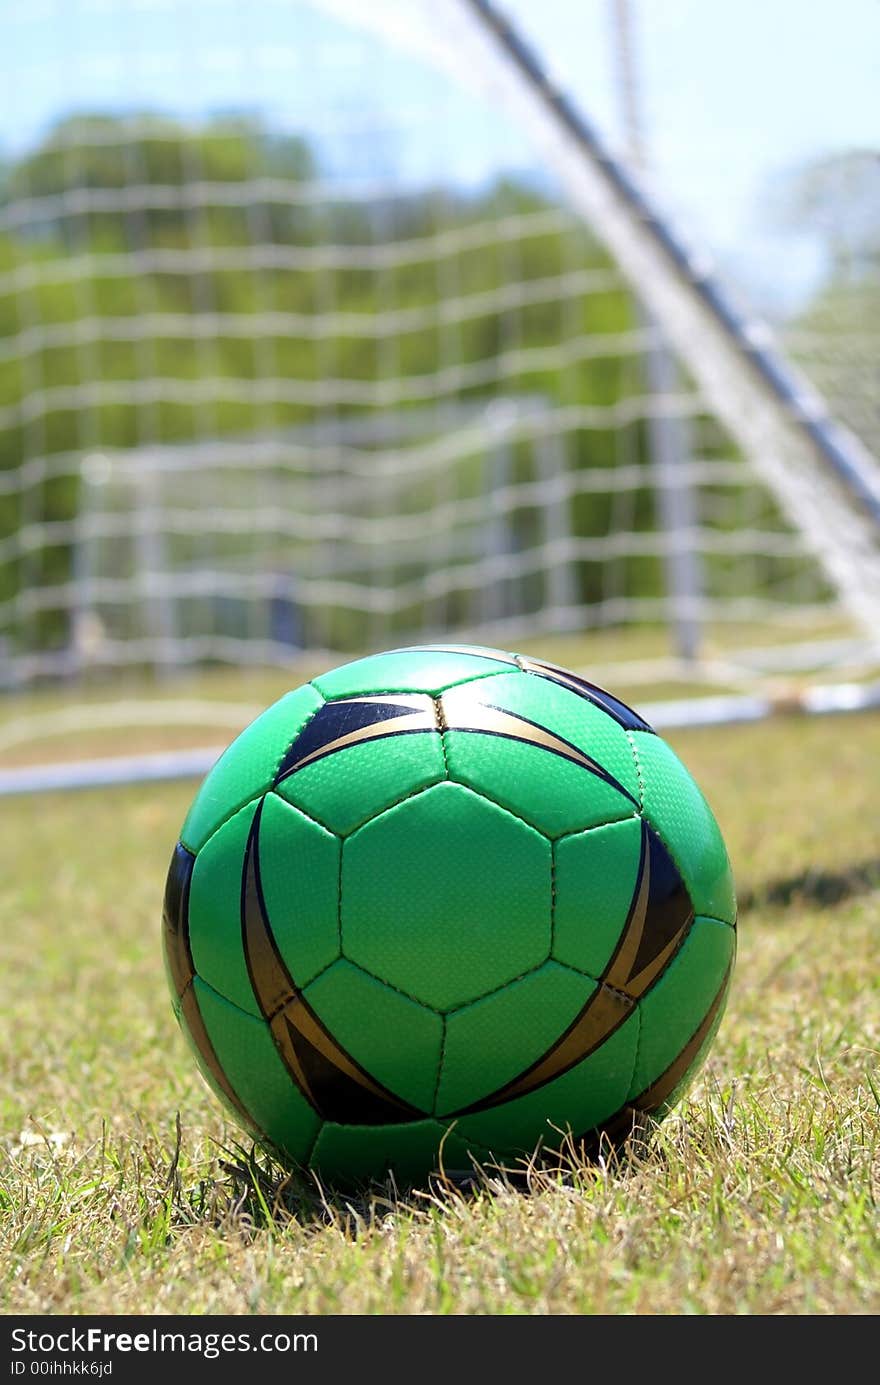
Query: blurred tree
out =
(837, 198)
(836, 336)
(112, 297)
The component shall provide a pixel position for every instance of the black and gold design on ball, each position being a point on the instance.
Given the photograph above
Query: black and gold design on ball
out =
(178, 954)
(485, 717)
(653, 1098)
(617, 710)
(354, 720)
(332, 1082)
(651, 1103)
(659, 917)
(555, 673)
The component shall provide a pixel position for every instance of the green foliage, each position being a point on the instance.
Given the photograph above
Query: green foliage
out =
(836, 199)
(162, 283)
(119, 296)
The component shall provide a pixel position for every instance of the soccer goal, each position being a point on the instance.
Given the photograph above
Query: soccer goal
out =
(330, 327)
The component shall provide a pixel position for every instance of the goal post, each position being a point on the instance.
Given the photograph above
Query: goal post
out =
(821, 474)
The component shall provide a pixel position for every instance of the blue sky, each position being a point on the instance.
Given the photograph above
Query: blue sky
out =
(734, 93)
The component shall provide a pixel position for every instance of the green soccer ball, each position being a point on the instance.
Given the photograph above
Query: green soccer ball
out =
(447, 905)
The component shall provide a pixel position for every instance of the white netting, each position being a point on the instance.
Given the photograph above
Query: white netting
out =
(305, 348)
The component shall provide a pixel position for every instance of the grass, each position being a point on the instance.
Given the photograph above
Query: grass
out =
(125, 1189)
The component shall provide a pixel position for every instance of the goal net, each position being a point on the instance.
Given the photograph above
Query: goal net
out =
(329, 327)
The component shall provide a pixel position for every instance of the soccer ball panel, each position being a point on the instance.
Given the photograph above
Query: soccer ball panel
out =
(582, 1098)
(408, 670)
(299, 878)
(670, 1087)
(675, 806)
(446, 897)
(540, 750)
(344, 789)
(215, 912)
(490, 1042)
(548, 792)
(672, 1012)
(573, 721)
(352, 1153)
(254, 1070)
(395, 1039)
(595, 878)
(247, 768)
